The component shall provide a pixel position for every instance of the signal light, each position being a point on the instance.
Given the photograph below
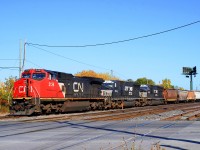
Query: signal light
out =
(187, 70)
(195, 70)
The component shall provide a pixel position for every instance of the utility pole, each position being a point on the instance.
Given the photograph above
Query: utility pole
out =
(111, 71)
(20, 58)
(24, 56)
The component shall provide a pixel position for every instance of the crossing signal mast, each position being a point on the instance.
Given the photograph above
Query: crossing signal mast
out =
(189, 72)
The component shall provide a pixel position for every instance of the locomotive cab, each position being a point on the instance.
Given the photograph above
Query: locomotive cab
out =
(144, 91)
(37, 83)
(33, 85)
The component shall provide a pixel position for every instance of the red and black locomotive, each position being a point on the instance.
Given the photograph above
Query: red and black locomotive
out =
(45, 91)
(41, 91)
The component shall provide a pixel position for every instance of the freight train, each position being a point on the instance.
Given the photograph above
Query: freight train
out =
(41, 91)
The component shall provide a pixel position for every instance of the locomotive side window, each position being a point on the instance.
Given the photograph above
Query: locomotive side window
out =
(26, 76)
(38, 76)
(52, 76)
(109, 85)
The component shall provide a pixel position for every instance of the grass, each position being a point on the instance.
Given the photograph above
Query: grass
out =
(134, 146)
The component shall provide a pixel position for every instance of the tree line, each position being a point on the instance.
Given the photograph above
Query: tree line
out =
(166, 83)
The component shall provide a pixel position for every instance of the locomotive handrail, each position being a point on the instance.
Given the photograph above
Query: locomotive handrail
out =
(34, 89)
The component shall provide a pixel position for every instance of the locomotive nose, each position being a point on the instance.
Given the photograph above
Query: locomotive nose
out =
(20, 88)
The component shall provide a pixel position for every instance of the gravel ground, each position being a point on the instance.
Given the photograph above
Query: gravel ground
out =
(160, 116)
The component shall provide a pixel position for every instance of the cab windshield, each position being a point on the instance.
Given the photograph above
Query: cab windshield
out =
(38, 76)
(144, 88)
(108, 85)
(26, 75)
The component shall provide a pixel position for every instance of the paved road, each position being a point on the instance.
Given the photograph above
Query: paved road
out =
(82, 135)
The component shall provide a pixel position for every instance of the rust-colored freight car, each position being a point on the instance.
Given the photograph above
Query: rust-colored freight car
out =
(170, 95)
(191, 96)
(182, 95)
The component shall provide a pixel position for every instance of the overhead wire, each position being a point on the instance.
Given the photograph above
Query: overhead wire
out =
(114, 42)
(69, 58)
(9, 59)
(35, 45)
(14, 67)
(33, 63)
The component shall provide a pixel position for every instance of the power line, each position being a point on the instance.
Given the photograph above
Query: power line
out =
(33, 63)
(114, 42)
(9, 67)
(69, 58)
(17, 67)
(9, 59)
(76, 61)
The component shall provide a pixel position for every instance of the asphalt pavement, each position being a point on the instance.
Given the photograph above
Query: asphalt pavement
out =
(102, 135)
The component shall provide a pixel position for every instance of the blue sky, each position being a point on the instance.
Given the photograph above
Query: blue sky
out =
(78, 22)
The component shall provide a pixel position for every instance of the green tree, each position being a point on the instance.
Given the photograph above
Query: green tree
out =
(177, 87)
(6, 89)
(144, 80)
(91, 73)
(181, 88)
(166, 83)
(130, 80)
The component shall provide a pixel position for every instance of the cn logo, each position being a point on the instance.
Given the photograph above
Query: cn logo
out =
(78, 87)
(22, 89)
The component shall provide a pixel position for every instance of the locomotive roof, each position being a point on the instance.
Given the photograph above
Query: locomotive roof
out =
(94, 80)
(60, 74)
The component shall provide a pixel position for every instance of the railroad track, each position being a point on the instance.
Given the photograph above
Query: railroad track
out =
(191, 110)
(188, 114)
(139, 113)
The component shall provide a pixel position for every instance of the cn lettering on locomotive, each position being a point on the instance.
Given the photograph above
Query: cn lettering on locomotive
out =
(78, 87)
(22, 89)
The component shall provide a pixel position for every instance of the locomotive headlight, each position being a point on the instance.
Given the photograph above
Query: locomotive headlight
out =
(14, 102)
